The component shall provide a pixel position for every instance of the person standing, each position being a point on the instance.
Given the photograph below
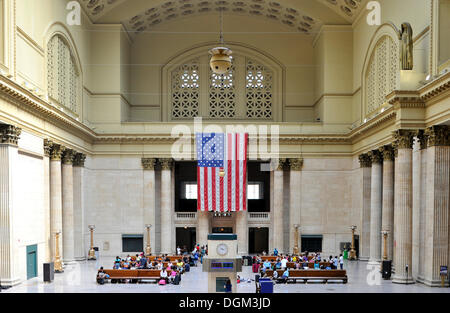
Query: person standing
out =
(341, 261)
(228, 287)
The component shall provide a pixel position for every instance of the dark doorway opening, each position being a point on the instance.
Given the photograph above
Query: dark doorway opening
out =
(186, 238)
(222, 230)
(312, 243)
(357, 246)
(258, 239)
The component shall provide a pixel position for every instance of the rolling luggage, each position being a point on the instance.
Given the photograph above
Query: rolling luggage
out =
(255, 268)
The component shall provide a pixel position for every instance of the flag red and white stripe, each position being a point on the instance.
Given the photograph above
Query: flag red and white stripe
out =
(228, 193)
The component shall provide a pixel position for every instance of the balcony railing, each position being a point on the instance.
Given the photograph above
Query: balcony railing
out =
(185, 217)
(259, 217)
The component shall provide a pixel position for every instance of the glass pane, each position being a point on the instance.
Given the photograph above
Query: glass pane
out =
(191, 191)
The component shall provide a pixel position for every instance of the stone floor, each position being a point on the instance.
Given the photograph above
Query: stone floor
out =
(80, 277)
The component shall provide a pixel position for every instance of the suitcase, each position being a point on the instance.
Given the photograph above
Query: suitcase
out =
(255, 268)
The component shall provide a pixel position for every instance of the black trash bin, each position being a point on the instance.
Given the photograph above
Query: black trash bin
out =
(386, 269)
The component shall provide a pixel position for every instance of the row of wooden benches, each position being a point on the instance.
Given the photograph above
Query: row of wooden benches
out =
(308, 275)
(274, 258)
(138, 274)
(302, 264)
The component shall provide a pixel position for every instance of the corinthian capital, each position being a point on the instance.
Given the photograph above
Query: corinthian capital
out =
(404, 138)
(79, 159)
(67, 157)
(57, 152)
(365, 160)
(10, 134)
(148, 164)
(387, 152)
(166, 164)
(281, 163)
(438, 135)
(296, 164)
(48, 144)
(375, 157)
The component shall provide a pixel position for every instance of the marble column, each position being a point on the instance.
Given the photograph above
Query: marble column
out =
(202, 227)
(242, 232)
(423, 204)
(278, 213)
(365, 182)
(376, 198)
(387, 221)
(46, 189)
(78, 207)
(149, 199)
(166, 207)
(9, 136)
(416, 204)
(56, 222)
(294, 202)
(437, 203)
(403, 208)
(67, 206)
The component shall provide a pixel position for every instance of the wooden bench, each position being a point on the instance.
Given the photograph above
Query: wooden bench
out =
(306, 275)
(138, 275)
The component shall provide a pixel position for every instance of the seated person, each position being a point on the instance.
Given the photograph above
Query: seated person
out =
(284, 263)
(101, 276)
(126, 265)
(275, 275)
(163, 275)
(267, 264)
(172, 276)
(316, 265)
(285, 276)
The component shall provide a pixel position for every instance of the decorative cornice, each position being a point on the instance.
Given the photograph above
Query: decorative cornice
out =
(438, 135)
(404, 138)
(387, 152)
(364, 160)
(57, 152)
(166, 164)
(296, 164)
(10, 134)
(78, 160)
(148, 164)
(375, 157)
(48, 144)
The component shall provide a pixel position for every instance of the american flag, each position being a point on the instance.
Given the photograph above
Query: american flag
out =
(227, 153)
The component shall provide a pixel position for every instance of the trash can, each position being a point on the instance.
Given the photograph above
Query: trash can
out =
(96, 252)
(266, 285)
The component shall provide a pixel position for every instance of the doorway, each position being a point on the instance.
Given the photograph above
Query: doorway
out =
(186, 238)
(258, 240)
(32, 261)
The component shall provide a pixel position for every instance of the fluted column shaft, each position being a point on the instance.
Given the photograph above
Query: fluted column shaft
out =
(294, 202)
(166, 206)
(278, 202)
(149, 199)
(56, 222)
(416, 208)
(67, 207)
(423, 203)
(437, 203)
(46, 196)
(375, 206)
(9, 136)
(203, 227)
(78, 208)
(242, 232)
(365, 182)
(388, 199)
(403, 209)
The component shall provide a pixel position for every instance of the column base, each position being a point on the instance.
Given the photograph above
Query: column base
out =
(403, 280)
(10, 282)
(374, 262)
(80, 258)
(435, 283)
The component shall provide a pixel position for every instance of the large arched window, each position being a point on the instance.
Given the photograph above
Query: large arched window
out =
(381, 74)
(245, 92)
(62, 74)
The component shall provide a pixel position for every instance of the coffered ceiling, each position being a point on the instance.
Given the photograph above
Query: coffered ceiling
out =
(305, 16)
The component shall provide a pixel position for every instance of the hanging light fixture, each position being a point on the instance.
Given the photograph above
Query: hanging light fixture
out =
(221, 56)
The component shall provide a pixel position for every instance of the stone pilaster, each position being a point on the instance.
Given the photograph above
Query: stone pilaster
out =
(203, 220)
(423, 203)
(9, 135)
(365, 182)
(166, 206)
(387, 222)
(403, 208)
(56, 222)
(375, 206)
(46, 189)
(67, 206)
(437, 203)
(242, 232)
(416, 212)
(278, 204)
(295, 201)
(78, 207)
(148, 165)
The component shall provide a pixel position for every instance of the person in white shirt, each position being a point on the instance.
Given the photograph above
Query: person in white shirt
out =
(341, 261)
(159, 266)
(283, 263)
(163, 274)
(178, 251)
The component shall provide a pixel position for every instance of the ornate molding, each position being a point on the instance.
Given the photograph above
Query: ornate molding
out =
(365, 160)
(48, 144)
(387, 152)
(375, 157)
(57, 152)
(148, 164)
(79, 159)
(10, 134)
(404, 138)
(438, 135)
(296, 164)
(166, 164)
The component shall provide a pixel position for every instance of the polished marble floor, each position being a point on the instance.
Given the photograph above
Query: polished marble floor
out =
(80, 277)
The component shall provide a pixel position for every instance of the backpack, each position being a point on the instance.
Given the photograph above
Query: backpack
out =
(162, 282)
